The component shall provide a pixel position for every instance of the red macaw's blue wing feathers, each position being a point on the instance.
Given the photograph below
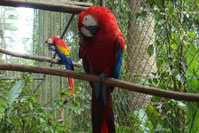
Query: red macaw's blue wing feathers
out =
(120, 46)
(64, 55)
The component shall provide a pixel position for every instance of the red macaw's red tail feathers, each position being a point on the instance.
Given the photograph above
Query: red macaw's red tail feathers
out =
(102, 115)
(71, 84)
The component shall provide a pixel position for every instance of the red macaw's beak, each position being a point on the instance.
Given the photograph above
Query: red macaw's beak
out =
(50, 45)
(89, 31)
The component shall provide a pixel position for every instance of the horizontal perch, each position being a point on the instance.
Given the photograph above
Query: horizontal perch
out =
(17, 78)
(109, 81)
(37, 58)
(68, 7)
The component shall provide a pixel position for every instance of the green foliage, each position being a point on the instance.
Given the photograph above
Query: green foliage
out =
(176, 47)
(193, 86)
(9, 98)
(22, 112)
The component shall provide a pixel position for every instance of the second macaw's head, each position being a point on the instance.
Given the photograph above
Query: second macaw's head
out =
(51, 41)
(95, 19)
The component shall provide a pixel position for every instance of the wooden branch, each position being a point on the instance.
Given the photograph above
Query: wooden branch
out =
(68, 7)
(4, 78)
(77, 3)
(108, 81)
(37, 58)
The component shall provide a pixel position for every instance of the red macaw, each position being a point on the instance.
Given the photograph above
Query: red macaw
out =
(101, 47)
(63, 51)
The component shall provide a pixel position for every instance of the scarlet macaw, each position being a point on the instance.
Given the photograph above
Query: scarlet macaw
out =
(63, 51)
(101, 47)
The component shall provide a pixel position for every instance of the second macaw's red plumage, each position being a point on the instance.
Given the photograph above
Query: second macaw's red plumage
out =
(101, 47)
(63, 51)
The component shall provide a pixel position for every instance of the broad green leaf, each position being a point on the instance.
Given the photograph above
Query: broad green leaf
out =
(14, 92)
(152, 114)
(180, 77)
(193, 119)
(143, 119)
(3, 104)
(171, 11)
(10, 97)
(150, 50)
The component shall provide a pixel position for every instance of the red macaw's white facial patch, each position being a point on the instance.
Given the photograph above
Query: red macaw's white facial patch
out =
(49, 41)
(88, 21)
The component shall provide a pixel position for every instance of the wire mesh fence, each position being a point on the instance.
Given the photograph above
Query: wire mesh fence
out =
(162, 40)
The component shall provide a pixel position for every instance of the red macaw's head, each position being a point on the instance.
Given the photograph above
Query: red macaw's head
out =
(95, 19)
(52, 40)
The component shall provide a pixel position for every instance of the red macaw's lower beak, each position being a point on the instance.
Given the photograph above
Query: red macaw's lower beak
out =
(89, 31)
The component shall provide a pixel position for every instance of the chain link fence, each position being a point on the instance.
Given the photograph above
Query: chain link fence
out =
(162, 40)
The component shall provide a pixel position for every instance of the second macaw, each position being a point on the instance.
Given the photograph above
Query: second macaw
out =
(101, 48)
(63, 51)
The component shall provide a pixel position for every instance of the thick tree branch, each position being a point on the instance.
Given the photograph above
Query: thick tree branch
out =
(37, 58)
(68, 7)
(108, 81)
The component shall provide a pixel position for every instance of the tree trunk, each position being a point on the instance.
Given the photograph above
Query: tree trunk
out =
(140, 64)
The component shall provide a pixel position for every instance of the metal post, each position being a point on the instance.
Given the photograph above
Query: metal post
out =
(102, 3)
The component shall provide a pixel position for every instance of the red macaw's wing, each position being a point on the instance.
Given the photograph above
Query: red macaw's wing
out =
(119, 50)
(63, 52)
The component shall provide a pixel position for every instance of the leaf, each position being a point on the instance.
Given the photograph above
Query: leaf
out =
(163, 32)
(180, 78)
(150, 50)
(155, 99)
(152, 114)
(193, 69)
(171, 10)
(10, 97)
(141, 114)
(14, 92)
(3, 104)
(193, 119)
(141, 16)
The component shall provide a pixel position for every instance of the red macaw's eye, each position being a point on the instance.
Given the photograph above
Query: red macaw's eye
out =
(90, 26)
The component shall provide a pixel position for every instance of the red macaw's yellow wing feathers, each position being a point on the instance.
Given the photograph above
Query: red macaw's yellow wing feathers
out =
(63, 51)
